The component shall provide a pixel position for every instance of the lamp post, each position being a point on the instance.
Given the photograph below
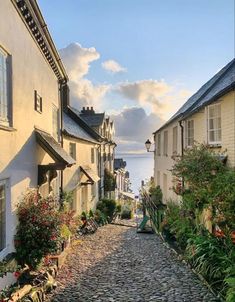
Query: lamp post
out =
(148, 146)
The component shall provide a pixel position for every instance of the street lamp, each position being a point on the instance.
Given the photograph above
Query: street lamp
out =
(148, 145)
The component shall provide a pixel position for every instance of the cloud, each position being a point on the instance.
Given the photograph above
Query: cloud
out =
(133, 127)
(77, 60)
(113, 66)
(161, 97)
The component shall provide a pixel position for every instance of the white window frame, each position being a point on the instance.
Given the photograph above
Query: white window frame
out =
(159, 144)
(55, 122)
(217, 142)
(5, 68)
(175, 140)
(72, 150)
(37, 102)
(189, 139)
(4, 184)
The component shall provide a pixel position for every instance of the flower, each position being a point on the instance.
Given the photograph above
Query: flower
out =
(17, 274)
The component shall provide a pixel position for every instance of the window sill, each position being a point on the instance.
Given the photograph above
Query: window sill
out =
(216, 145)
(7, 128)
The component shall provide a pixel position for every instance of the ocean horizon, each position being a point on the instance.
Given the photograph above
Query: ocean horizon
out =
(140, 167)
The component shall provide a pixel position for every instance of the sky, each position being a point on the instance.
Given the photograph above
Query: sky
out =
(139, 60)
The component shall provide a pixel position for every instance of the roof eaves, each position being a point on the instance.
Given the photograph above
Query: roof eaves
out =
(181, 115)
(31, 15)
(66, 133)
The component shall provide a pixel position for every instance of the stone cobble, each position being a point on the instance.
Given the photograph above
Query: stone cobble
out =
(118, 265)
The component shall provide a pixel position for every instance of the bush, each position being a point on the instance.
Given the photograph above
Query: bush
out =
(109, 181)
(155, 194)
(126, 212)
(178, 224)
(100, 217)
(107, 207)
(38, 231)
(214, 259)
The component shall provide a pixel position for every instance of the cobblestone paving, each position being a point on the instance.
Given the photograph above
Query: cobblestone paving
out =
(118, 265)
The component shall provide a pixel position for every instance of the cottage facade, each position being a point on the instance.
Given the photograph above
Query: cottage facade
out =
(207, 117)
(31, 76)
(83, 144)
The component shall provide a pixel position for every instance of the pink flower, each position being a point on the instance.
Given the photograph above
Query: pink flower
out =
(17, 274)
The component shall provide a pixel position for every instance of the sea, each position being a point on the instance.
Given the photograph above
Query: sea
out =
(140, 168)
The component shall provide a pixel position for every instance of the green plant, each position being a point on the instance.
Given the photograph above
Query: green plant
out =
(109, 181)
(213, 258)
(155, 194)
(38, 230)
(65, 233)
(107, 206)
(126, 212)
(230, 295)
(91, 214)
(100, 217)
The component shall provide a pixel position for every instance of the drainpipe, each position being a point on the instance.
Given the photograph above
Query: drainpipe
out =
(182, 145)
(99, 168)
(61, 83)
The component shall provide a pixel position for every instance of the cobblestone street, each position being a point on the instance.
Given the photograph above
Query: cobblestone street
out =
(117, 264)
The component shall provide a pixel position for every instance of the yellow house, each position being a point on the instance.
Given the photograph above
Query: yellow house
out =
(105, 128)
(83, 144)
(31, 76)
(207, 117)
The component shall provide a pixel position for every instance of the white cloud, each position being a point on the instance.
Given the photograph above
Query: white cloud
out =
(113, 66)
(133, 127)
(77, 60)
(162, 99)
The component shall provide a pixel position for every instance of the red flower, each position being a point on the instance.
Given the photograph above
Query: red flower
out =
(17, 274)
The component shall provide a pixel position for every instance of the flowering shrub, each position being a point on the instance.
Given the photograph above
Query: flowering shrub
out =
(38, 231)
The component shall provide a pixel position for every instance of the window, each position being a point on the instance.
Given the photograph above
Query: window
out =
(189, 134)
(158, 178)
(214, 124)
(165, 146)
(4, 88)
(72, 150)
(92, 155)
(164, 186)
(2, 215)
(37, 102)
(175, 140)
(93, 190)
(104, 157)
(159, 144)
(55, 122)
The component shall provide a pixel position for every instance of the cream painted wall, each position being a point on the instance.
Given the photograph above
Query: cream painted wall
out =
(18, 149)
(83, 194)
(163, 164)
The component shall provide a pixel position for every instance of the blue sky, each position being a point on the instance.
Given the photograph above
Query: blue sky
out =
(176, 43)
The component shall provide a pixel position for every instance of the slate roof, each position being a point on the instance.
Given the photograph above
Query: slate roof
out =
(219, 84)
(73, 129)
(93, 120)
(74, 114)
(119, 163)
(53, 148)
